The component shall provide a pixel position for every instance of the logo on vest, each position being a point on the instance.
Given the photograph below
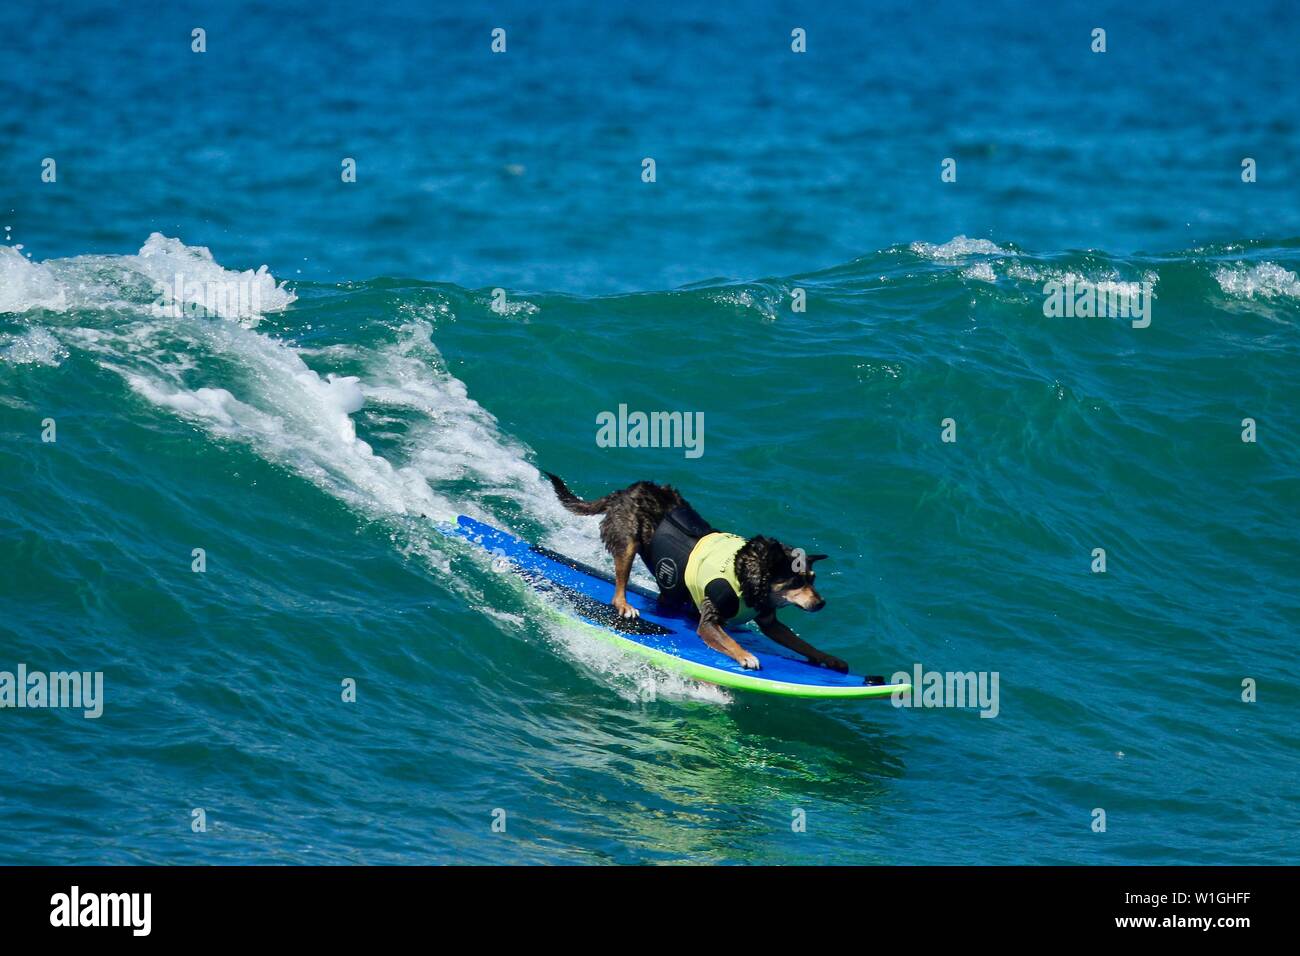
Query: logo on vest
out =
(666, 573)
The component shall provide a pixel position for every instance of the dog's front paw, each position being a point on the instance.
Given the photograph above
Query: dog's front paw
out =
(834, 663)
(749, 662)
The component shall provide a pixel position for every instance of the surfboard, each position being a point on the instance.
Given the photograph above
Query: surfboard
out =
(669, 640)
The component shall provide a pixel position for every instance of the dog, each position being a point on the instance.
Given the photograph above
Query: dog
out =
(721, 577)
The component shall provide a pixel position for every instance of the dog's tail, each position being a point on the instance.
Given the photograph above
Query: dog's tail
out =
(571, 501)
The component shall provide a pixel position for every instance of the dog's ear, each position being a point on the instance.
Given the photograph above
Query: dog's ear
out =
(773, 556)
(778, 556)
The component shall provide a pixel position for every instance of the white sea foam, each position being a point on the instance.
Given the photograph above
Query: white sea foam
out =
(133, 282)
(1109, 284)
(766, 304)
(633, 678)
(36, 346)
(511, 308)
(959, 247)
(1267, 280)
(27, 285)
(980, 271)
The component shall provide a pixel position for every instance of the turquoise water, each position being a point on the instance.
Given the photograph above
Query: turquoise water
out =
(308, 444)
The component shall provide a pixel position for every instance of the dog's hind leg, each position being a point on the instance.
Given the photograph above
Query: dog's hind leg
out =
(624, 555)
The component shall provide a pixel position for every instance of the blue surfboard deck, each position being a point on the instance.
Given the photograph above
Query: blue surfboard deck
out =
(669, 640)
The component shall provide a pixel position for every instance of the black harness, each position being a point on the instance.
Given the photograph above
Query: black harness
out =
(670, 548)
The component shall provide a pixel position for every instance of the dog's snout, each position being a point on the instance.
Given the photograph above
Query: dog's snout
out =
(821, 603)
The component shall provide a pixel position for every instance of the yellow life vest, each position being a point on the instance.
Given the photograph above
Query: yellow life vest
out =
(713, 557)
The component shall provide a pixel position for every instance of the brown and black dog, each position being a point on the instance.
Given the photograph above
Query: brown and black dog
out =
(721, 577)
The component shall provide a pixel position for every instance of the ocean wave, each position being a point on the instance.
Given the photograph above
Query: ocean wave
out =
(239, 383)
(1267, 280)
(959, 247)
(148, 280)
(165, 275)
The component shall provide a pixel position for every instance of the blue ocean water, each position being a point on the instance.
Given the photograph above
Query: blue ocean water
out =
(306, 440)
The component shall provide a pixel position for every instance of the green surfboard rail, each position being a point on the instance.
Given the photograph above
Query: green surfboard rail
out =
(714, 675)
